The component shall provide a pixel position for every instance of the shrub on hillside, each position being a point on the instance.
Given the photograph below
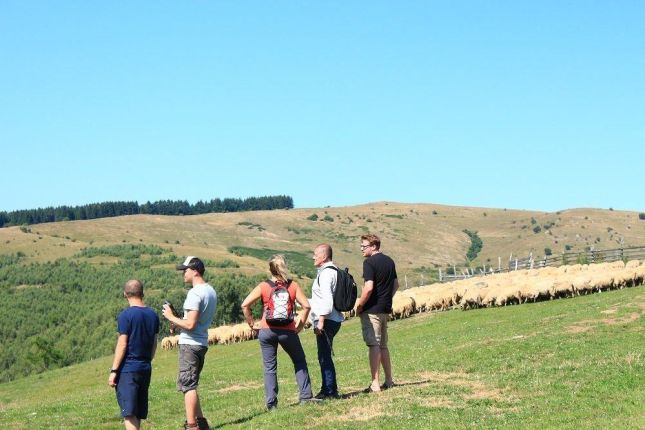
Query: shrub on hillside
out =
(476, 244)
(641, 215)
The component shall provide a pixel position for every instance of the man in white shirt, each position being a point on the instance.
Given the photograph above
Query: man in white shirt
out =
(325, 319)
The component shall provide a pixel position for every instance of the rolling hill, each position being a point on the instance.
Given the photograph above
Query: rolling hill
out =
(63, 280)
(418, 236)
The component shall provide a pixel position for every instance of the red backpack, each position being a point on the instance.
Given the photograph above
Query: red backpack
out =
(279, 308)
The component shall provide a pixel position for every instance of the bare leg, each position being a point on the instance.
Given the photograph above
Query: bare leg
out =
(387, 365)
(193, 408)
(375, 364)
(131, 422)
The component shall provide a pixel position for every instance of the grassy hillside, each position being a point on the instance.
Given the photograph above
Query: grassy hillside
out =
(55, 287)
(419, 235)
(573, 363)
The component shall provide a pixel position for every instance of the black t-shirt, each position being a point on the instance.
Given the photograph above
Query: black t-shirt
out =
(380, 269)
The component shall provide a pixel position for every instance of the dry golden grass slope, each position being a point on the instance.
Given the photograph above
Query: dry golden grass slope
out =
(416, 235)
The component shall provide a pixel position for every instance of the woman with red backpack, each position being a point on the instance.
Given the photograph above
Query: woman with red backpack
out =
(277, 327)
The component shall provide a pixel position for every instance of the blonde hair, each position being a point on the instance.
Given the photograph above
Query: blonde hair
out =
(278, 267)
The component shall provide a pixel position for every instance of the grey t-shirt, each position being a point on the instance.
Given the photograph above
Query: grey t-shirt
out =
(200, 298)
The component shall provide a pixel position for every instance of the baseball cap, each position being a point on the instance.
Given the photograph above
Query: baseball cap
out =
(192, 262)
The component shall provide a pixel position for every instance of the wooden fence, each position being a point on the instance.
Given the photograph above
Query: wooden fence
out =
(583, 257)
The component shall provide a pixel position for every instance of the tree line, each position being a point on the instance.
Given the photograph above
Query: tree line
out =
(161, 207)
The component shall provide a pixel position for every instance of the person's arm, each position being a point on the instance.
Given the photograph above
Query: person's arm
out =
(395, 286)
(154, 347)
(249, 301)
(119, 355)
(192, 318)
(306, 307)
(365, 295)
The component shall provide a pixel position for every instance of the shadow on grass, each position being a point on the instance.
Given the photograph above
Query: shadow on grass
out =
(238, 421)
(366, 390)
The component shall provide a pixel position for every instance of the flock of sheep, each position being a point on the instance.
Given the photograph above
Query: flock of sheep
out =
(494, 290)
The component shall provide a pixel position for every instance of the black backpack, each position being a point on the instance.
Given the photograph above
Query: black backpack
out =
(346, 292)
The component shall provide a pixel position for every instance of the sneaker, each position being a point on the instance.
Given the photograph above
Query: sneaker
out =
(202, 423)
(272, 406)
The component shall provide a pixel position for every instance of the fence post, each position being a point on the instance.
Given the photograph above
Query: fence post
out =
(406, 281)
(440, 277)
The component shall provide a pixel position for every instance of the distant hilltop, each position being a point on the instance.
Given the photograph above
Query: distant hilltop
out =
(161, 207)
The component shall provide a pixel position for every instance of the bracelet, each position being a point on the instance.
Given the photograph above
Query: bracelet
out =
(114, 370)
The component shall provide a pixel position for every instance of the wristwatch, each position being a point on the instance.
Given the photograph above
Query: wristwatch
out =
(114, 370)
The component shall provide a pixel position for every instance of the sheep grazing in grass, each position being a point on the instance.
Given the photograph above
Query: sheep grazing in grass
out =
(561, 288)
(581, 284)
(170, 342)
(224, 334)
(212, 336)
(428, 298)
(472, 297)
(402, 306)
(242, 332)
(534, 290)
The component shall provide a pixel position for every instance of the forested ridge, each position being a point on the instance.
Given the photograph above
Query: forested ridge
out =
(161, 207)
(64, 312)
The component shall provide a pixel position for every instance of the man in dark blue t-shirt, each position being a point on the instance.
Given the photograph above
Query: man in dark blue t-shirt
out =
(374, 306)
(138, 326)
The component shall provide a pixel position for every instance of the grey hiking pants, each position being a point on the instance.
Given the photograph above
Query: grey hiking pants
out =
(290, 342)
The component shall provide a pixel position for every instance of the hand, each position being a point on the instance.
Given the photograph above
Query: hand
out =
(318, 330)
(166, 312)
(112, 379)
(300, 326)
(359, 309)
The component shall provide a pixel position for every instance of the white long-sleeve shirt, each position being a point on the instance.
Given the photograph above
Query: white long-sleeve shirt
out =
(322, 295)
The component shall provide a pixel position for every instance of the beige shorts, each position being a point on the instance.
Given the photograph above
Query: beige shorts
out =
(374, 329)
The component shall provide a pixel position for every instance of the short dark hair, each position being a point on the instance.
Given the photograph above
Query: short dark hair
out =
(373, 239)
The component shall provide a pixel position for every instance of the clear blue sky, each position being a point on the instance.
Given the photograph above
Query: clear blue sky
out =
(507, 104)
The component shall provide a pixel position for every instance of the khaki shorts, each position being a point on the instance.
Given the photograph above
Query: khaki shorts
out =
(374, 329)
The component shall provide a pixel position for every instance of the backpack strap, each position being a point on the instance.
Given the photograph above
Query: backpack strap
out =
(273, 284)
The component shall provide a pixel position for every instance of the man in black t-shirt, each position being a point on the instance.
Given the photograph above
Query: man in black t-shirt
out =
(374, 306)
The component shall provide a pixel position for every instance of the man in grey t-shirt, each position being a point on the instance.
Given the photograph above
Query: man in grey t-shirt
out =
(199, 310)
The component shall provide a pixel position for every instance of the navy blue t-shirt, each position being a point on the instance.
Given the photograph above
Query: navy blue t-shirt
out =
(141, 324)
(380, 269)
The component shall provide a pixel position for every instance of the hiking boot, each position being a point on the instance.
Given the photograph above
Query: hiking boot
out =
(202, 423)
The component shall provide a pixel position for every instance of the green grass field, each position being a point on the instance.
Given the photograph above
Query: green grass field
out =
(572, 363)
